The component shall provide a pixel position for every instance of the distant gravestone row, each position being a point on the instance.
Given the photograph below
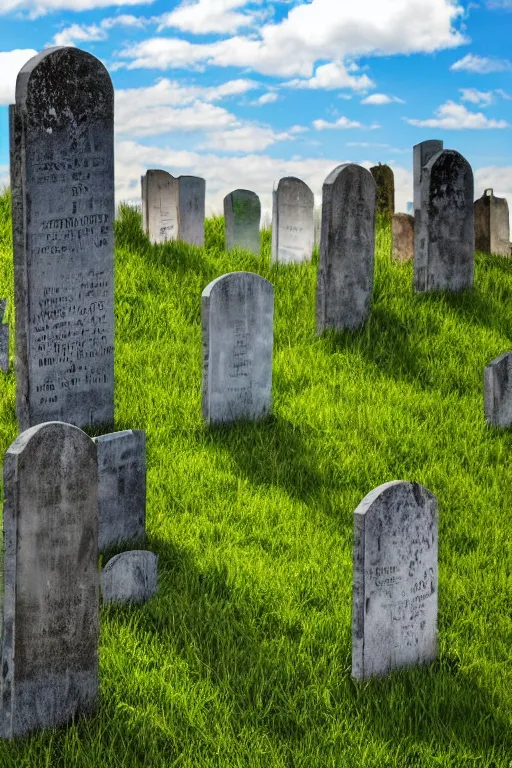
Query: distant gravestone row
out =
(173, 208)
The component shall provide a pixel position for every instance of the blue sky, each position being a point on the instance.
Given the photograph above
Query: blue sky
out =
(243, 93)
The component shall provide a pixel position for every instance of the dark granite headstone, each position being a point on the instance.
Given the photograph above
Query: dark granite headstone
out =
(492, 224)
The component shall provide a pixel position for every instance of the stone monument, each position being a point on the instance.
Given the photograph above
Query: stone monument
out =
(293, 229)
(498, 391)
(492, 224)
(130, 577)
(402, 237)
(385, 188)
(160, 198)
(191, 207)
(242, 213)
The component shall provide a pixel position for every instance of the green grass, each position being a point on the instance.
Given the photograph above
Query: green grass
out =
(243, 659)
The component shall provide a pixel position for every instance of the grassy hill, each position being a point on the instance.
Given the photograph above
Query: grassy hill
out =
(243, 659)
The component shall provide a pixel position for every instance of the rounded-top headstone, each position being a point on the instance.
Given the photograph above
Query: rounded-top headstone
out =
(160, 201)
(130, 577)
(242, 213)
(293, 231)
(385, 183)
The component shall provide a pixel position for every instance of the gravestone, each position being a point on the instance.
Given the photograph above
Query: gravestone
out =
(160, 196)
(62, 183)
(131, 577)
(191, 207)
(347, 245)
(237, 312)
(4, 338)
(498, 391)
(385, 184)
(444, 244)
(402, 237)
(242, 213)
(318, 223)
(121, 487)
(293, 228)
(50, 625)
(421, 154)
(394, 605)
(492, 224)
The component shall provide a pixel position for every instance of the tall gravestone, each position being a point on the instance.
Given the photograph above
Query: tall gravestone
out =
(402, 237)
(242, 213)
(492, 224)
(498, 391)
(4, 338)
(50, 624)
(444, 247)
(421, 154)
(160, 196)
(385, 184)
(293, 227)
(237, 312)
(62, 182)
(191, 208)
(347, 246)
(394, 605)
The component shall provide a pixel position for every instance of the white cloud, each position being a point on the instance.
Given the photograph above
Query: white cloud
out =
(246, 138)
(265, 98)
(331, 76)
(482, 98)
(95, 32)
(381, 98)
(10, 64)
(453, 116)
(206, 16)
(36, 8)
(4, 176)
(341, 123)
(481, 64)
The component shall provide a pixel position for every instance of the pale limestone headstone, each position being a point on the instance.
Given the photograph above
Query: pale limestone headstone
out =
(498, 391)
(62, 182)
(50, 626)
(293, 228)
(121, 487)
(402, 237)
(131, 577)
(242, 213)
(347, 245)
(191, 208)
(492, 224)
(394, 605)
(421, 154)
(237, 312)
(444, 246)
(160, 197)
(4, 338)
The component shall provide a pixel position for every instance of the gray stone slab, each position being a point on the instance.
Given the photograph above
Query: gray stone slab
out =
(394, 606)
(492, 224)
(62, 182)
(347, 247)
(498, 391)
(130, 577)
(421, 154)
(160, 199)
(293, 227)
(192, 191)
(385, 187)
(4, 338)
(402, 237)
(444, 237)
(237, 312)
(50, 626)
(122, 487)
(242, 213)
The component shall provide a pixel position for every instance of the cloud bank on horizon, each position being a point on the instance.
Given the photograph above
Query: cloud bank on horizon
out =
(242, 92)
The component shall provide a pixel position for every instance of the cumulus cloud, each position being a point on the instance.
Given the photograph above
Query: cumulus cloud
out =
(341, 123)
(481, 64)
(95, 32)
(452, 116)
(10, 64)
(207, 16)
(333, 75)
(482, 98)
(381, 98)
(265, 98)
(246, 138)
(36, 8)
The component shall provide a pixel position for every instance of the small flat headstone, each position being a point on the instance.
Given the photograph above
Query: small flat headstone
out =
(191, 208)
(242, 214)
(121, 487)
(160, 196)
(131, 577)
(237, 312)
(4, 338)
(402, 237)
(293, 226)
(394, 605)
(492, 224)
(498, 391)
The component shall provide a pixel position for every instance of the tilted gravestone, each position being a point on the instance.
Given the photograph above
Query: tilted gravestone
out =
(191, 207)
(385, 184)
(121, 487)
(242, 213)
(160, 198)
(421, 154)
(50, 625)
(444, 246)
(62, 182)
(4, 338)
(293, 228)
(492, 224)
(402, 237)
(130, 577)
(498, 391)
(394, 605)
(237, 312)
(347, 246)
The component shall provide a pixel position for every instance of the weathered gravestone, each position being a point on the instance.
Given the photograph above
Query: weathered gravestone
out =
(421, 154)
(498, 391)
(394, 605)
(191, 207)
(402, 237)
(62, 182)
(347, 245)
(385, 187)
(492, 224)
(242, 213)
(444, 247)
(121, 487)
(237, 312)
(160, 198)
(50, 625)
(130, 577)
(4, 338)
(293, 229)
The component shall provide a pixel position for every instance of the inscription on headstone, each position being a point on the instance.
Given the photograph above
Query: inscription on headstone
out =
(191, 197)
(4, 338)
(130, 577)
(492, 224)
(293, 229)
(160, 200)
(237, 312)
(242, 213)
(62, 181)
(394, 606)
(498, 391)
(402, 237)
